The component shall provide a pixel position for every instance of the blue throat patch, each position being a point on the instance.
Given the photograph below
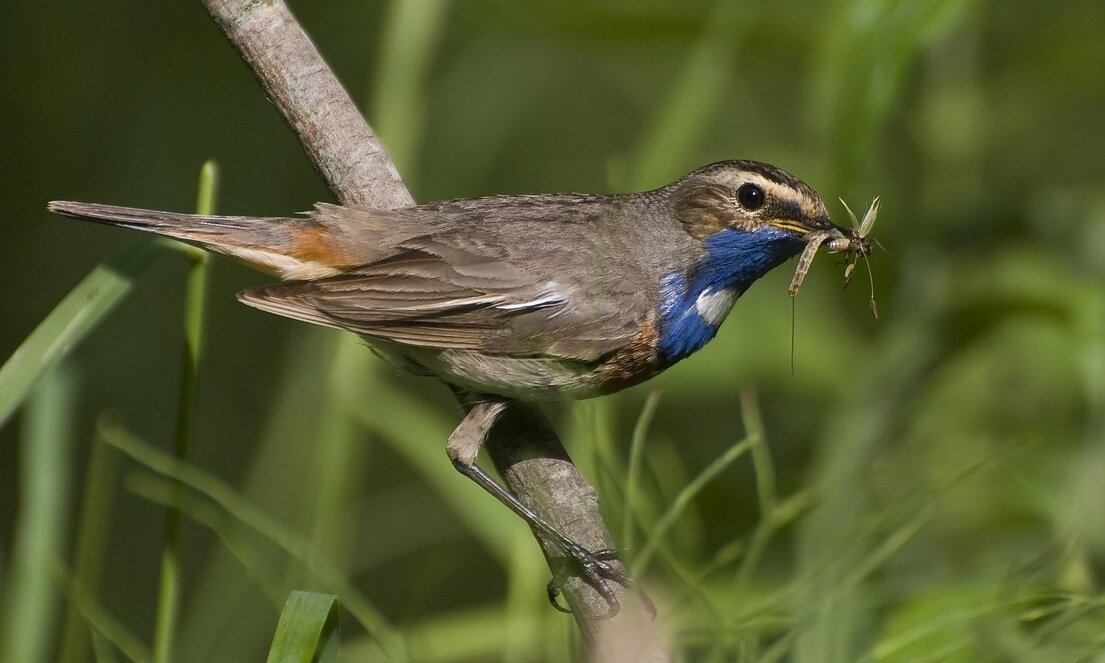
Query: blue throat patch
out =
(734, 260)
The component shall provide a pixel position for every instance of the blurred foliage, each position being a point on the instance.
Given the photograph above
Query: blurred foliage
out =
(926, 487)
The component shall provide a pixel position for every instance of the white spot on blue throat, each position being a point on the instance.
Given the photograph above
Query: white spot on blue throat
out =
(713, 305)
(694, 305)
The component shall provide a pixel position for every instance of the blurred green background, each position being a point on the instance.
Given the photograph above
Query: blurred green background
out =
(930, 486)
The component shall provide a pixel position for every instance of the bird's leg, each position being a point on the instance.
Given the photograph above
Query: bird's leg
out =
(463, 447)
(468, 437)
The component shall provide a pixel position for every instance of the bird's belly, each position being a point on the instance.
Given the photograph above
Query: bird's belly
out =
(539, 378)
(526, 378)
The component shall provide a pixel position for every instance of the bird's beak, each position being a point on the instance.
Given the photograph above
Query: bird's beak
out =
(809, 228)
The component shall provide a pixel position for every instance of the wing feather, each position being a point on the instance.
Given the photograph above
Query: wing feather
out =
(416, 299)
(511, 286)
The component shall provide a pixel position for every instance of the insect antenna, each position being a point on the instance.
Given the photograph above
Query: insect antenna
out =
(813, 243)
(871, 280)
(793, 328)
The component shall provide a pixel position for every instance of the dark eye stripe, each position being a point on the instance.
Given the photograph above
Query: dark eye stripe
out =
(787, 209)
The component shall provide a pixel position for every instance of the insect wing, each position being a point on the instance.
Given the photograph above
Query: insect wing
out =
(851, 214)
(868, 222)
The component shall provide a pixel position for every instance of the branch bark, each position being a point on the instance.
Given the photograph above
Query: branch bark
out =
(348, 155)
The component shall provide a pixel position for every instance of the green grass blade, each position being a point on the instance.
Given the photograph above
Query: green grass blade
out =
(105, 627)
(168, 599)
(761, 455)
(412, 30)
(683, 117)
(93, 533)
(29, 600)
(267, 574)
(337, 462)
(633, 476)
(71, 320)
(765, 489)
(477, 633)
(602, 462)
(241, 509)
(683, 500)
(221, 629)
(308, 630)
(102, 649)
(416, 433)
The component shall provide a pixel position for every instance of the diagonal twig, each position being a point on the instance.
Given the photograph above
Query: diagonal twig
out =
(348, 155)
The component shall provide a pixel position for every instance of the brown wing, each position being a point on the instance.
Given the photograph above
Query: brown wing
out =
(442, 296)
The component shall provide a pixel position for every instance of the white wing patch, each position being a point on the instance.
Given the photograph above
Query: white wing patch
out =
(551, 297)
(713, 305)
(547, 300)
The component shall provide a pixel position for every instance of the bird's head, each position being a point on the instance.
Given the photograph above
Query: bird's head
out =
(748, 197)
(749, 217)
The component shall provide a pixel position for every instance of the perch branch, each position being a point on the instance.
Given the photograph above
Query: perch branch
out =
(348, 155)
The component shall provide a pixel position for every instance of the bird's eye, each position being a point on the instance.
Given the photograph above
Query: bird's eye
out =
(750, 196)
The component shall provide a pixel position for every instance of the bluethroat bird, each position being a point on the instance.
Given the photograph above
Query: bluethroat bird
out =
(537, 297)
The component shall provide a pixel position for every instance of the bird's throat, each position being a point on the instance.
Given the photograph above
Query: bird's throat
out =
(695, 304)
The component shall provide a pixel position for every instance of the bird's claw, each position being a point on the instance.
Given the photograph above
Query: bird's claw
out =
(596, 569)
(552, 590)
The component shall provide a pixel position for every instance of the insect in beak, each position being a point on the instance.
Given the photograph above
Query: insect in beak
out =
(853, 241)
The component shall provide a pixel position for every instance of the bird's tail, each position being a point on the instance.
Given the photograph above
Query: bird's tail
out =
(210, 232)
(270, 244)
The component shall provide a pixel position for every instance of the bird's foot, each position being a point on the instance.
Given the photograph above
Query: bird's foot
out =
(596, 568)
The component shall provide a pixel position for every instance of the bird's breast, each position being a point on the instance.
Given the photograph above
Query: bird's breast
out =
(690, 315)
(636, 361)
